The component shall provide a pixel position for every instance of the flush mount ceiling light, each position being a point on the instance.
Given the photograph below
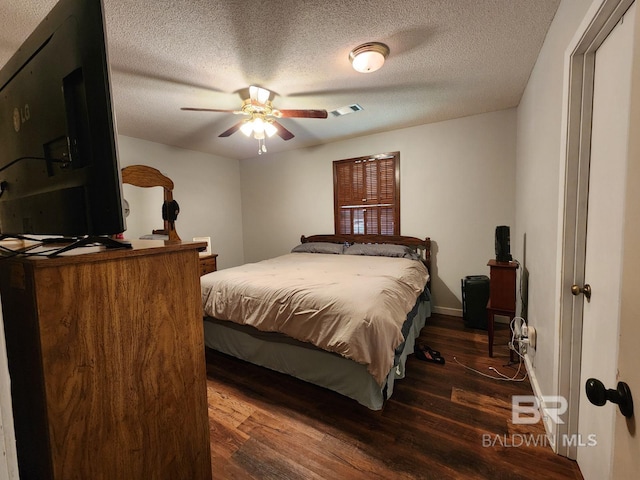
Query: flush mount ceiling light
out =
(368, 57)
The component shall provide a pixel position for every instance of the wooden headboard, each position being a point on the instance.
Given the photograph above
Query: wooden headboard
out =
(422, 246)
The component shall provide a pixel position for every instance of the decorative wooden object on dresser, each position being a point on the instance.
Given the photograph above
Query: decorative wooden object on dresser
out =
(208, 263)
(146, 177)
(106, 358)
(502, 294)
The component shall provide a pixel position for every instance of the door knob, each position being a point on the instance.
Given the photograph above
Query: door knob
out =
(598, 395)
(577, 290)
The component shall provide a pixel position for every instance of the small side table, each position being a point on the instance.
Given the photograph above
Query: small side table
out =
(208, 263)
(502, 294)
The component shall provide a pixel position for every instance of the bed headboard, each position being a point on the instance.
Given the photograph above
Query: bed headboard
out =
(422, 246)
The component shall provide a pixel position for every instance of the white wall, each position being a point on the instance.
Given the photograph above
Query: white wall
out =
(206, 187)
(457, 184)
(539, 155)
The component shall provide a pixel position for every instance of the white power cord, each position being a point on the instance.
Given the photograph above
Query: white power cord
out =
(518, 340)
(502, 376)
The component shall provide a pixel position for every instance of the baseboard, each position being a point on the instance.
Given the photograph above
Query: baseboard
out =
(457, 312)
(549, 427)
(454, 312)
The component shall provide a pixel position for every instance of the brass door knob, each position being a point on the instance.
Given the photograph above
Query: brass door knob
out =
(577, 290)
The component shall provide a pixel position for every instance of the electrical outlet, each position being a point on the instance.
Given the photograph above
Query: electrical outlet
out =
(523, 337)
(533, 337)
(522, 347)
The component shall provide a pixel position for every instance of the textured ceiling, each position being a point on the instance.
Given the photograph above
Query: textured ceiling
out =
(449, 59)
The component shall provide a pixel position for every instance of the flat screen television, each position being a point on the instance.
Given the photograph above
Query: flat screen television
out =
(59, 169)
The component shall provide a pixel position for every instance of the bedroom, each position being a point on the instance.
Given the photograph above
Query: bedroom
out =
(487, 169)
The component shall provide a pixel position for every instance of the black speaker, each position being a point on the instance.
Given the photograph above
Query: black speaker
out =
(503, 244)
(475, 295)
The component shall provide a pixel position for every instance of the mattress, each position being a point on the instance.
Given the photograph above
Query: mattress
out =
(350, 305)
(314, 365)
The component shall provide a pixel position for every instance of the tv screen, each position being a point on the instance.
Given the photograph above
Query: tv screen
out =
(59, 169)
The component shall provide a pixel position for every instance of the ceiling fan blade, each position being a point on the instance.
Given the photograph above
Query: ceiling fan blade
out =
(193, 109)
(231, 130)
(304, 113)
(283, 132)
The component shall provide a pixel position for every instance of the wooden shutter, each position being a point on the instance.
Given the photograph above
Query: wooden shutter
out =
(367, 195)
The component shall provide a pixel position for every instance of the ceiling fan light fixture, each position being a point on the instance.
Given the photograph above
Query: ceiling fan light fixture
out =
(368, 57)
(259, 94)
(260, 117)
(270, 129)
(258, 125)
(247, 128)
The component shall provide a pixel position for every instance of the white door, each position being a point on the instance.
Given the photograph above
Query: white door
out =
(8, 458)
(604, 244)
(626, 453)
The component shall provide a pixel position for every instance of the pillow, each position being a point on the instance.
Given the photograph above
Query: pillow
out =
(382, 250)
(318, 247)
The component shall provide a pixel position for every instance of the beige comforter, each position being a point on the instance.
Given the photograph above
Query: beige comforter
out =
(349, 304)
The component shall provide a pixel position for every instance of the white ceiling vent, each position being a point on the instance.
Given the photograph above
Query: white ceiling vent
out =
(338, 112)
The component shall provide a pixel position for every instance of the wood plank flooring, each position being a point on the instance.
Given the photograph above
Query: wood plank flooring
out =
(443, 421)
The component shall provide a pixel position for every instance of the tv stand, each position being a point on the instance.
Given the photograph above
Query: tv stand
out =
(107, 242)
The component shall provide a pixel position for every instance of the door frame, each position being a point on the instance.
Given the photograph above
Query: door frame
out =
(599, 21)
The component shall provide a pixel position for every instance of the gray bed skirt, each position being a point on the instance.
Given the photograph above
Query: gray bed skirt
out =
(311, 364)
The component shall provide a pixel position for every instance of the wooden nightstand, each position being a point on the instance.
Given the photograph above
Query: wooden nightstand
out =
(208, 264)
(502, 294)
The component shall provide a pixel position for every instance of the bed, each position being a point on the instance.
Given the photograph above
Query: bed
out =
(339, 311)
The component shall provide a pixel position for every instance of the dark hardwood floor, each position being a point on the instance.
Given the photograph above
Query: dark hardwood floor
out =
(443, 421)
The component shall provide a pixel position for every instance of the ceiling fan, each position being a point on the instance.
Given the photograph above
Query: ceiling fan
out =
(261, 121)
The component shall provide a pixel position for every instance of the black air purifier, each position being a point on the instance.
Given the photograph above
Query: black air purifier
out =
(475, 295)
(503, 244)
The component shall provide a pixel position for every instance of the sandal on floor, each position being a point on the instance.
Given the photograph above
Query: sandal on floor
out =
(427, 348)
(426, 354)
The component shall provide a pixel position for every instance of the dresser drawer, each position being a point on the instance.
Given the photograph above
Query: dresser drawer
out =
(208, 264)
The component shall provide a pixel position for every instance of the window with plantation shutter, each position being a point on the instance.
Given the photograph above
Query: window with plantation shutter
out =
(366, 193)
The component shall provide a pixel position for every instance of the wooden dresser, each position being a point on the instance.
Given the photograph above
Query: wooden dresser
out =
(106, 359)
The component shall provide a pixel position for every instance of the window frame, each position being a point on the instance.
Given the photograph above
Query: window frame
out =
(355, 203)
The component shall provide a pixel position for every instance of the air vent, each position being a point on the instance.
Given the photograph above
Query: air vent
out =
(338, 112)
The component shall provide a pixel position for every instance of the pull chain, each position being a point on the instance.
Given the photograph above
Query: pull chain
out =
(262, 148)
